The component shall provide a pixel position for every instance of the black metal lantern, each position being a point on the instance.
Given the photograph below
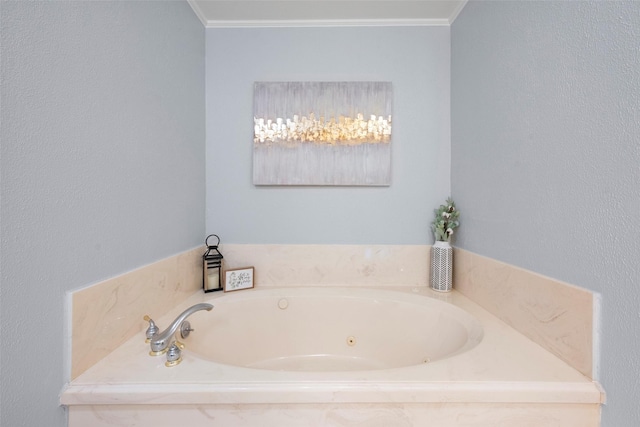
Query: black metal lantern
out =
(212, 278)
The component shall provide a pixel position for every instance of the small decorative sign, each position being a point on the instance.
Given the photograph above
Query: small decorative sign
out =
(237, 279)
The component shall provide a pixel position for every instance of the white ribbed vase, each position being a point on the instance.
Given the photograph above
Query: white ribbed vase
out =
(441, 266)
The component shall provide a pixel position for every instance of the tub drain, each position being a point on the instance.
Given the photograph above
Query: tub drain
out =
(351, 341)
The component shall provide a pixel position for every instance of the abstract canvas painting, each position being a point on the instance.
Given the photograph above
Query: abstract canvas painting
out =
(322, 133)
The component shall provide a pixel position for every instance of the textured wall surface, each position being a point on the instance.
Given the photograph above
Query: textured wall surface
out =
(546, 158)
(414, 59)
(101, 164)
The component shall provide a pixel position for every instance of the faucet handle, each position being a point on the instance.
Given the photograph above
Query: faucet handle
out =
(174, 355)
(151, 330)
(185, 329)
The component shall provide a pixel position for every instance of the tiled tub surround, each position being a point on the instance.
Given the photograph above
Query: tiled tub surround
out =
(506, 379)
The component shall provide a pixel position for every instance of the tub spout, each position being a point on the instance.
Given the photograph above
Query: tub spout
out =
(161, 340)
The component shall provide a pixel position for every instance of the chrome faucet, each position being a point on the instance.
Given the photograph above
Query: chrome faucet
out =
(160, 341)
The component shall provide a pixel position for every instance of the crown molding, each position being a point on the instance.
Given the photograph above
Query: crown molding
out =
(284, 23)
(326, 23)
(457, 11)
(198, 12)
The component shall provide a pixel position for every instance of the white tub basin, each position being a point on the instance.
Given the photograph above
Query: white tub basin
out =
(330, 329)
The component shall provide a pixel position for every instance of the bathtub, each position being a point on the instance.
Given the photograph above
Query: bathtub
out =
(336, 356)
(331, 329)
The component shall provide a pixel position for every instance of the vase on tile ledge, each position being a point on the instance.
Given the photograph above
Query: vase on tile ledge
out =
(441, 266)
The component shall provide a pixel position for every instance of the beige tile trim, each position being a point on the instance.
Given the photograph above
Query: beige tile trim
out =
(352, 265)
(443, 414)
(107, 314)
(556, 315)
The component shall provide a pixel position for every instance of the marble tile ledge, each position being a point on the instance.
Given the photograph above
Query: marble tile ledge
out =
(555, 315)
(505, 367)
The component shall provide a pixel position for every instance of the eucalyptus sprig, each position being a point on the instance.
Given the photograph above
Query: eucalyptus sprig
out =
(446, 221)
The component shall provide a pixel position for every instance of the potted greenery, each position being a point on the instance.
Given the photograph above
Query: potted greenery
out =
(445, 221)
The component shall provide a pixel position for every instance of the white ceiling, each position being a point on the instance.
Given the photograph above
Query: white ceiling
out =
(300, 13)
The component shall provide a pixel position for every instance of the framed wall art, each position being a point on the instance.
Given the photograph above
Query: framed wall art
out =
(322, 133)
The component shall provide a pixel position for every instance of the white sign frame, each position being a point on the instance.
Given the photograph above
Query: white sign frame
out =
(238, 279)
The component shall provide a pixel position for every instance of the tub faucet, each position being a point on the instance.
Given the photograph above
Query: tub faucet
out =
(160, 341)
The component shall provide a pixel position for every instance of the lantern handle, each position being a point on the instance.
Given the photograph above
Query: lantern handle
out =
(206, 241)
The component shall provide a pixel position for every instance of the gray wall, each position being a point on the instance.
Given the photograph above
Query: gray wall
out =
(546, 157)
(102, 168)
(415, 59)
